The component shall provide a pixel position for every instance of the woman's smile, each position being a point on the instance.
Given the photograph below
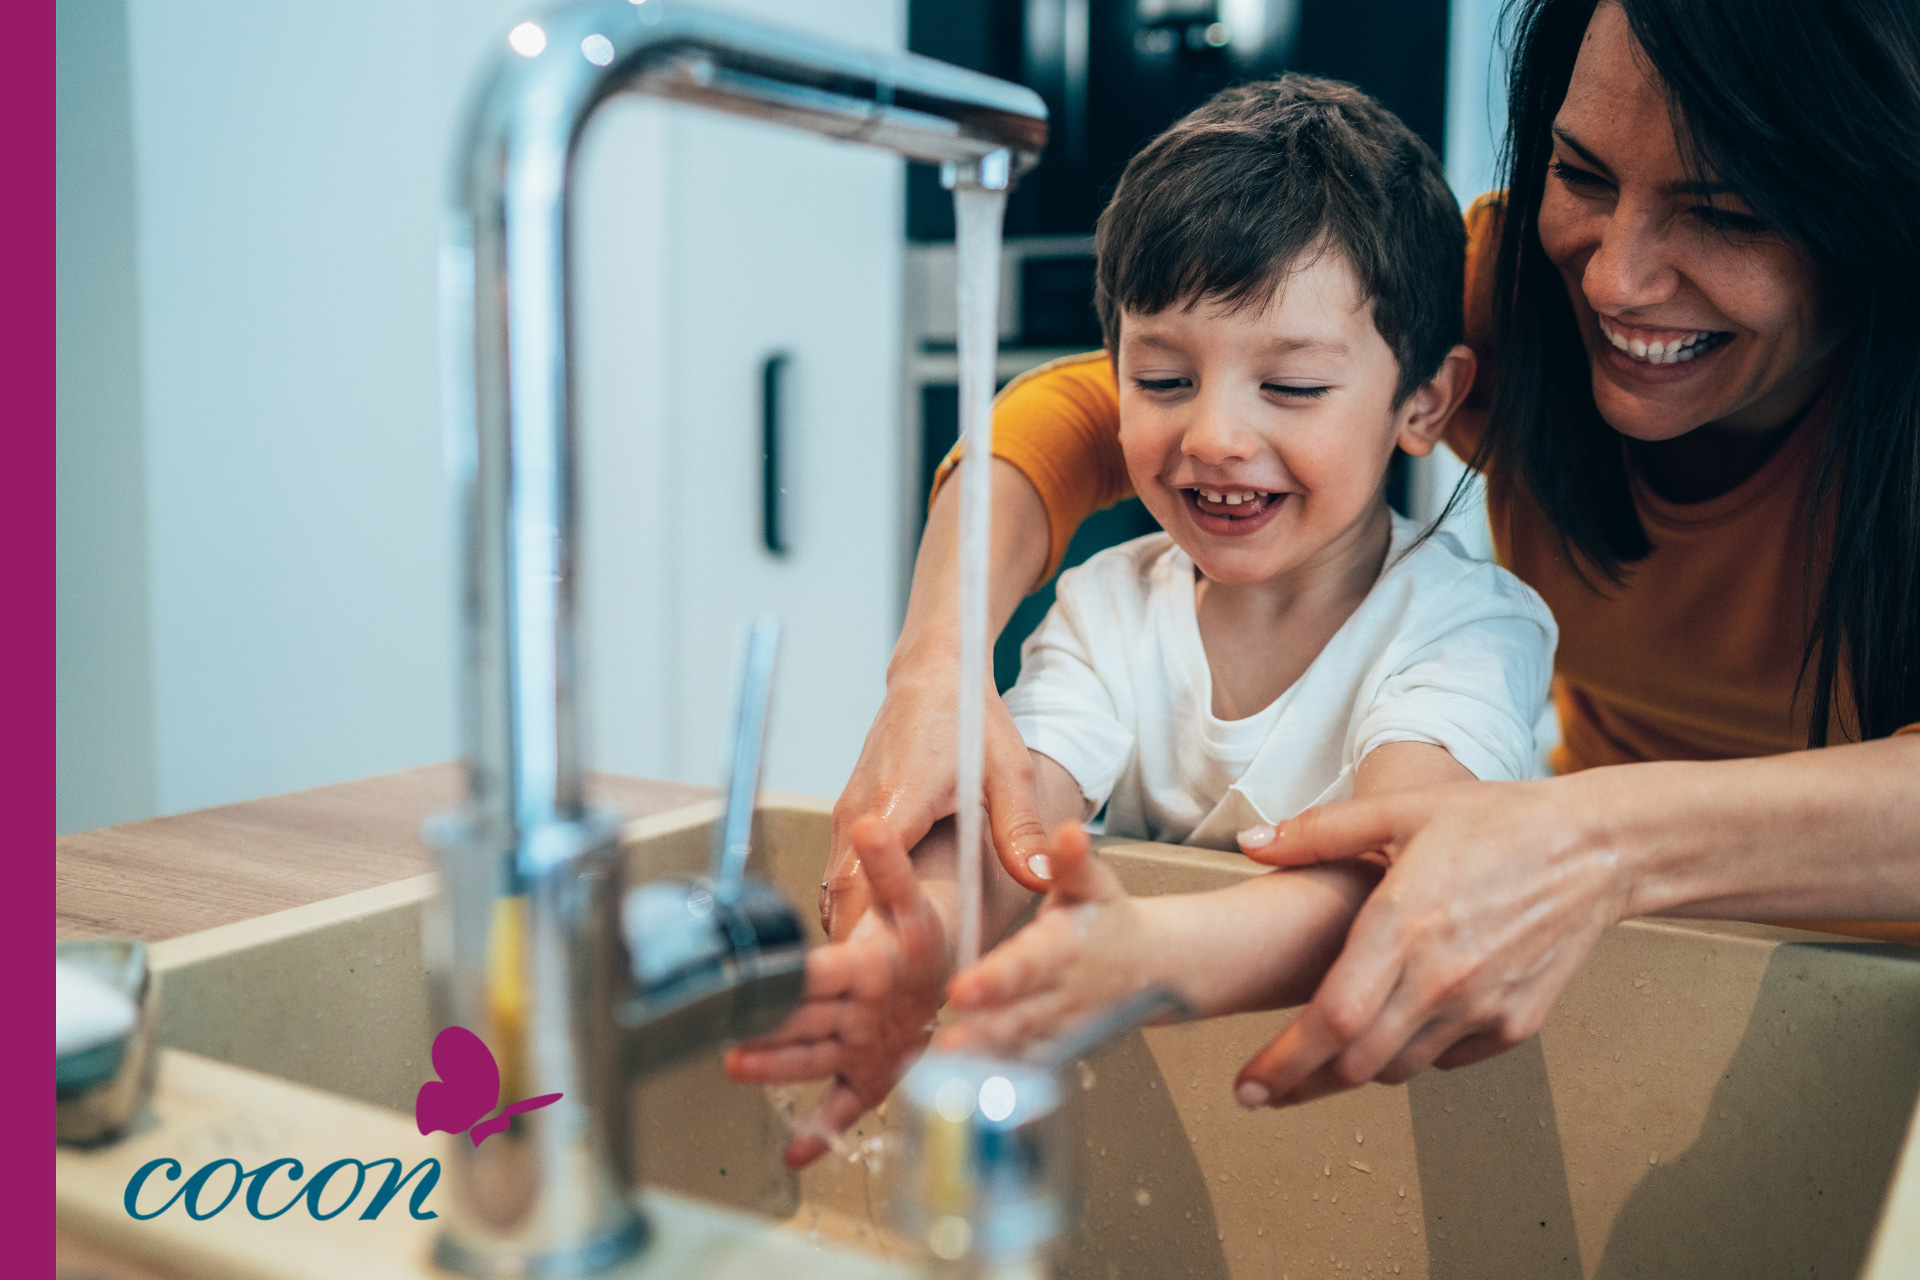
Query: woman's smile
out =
(1655, 356)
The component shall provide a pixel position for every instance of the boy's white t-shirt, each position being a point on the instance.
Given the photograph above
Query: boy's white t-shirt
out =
(1114, 685)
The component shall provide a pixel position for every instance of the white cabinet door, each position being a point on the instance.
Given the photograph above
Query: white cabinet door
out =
(708, 245)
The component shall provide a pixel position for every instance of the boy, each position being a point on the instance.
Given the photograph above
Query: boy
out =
(1280, 290)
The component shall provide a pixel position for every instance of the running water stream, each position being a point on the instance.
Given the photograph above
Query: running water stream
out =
(979, 202)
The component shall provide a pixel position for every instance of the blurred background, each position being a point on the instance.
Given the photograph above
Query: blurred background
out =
(256, 555)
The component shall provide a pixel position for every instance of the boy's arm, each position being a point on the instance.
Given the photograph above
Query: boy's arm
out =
(1293, 926)
(1404, 766)
(1261, 944)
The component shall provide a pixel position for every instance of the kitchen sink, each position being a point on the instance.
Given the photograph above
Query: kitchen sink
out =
(1707, 1100)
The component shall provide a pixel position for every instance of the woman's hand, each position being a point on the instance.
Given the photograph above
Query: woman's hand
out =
(1084, 951)
(870, 1002)
(905, 779)
(905, 775)
(1494, 894)
(1496, 891)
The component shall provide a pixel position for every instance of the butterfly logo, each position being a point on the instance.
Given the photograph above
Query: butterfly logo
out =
(468, 1088)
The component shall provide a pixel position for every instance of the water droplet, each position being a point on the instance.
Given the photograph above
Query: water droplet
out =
(1087, 1078)
(1143, 1197)
(954, 1100)
(950, 1237)
(1654, 1158)
(1359, 1138)
(1403, 1193)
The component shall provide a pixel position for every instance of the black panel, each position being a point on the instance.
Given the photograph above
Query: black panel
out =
(1394, 49)
(1148, 64)
(1399, 473)
(1102, 529)
(939, 428)
(1056, 301)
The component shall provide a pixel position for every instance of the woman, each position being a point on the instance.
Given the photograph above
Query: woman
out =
(1698, 313)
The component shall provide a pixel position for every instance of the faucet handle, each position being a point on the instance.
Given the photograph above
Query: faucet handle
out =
(733, 841)
(706, 969)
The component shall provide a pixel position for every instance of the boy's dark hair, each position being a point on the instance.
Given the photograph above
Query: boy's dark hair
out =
(1222, 204)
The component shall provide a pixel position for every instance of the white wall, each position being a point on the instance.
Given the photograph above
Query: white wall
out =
(1476, 97)
(706, 244)
(1476, 123)
(104, 677)
(256, 568)
(289, 164)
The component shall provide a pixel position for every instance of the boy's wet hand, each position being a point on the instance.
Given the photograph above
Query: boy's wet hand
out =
(869, 1003)
(1079, 955)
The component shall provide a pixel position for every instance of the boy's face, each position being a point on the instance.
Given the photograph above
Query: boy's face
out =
(1260, 438)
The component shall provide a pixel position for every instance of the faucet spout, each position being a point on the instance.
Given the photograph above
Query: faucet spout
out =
(531, 956)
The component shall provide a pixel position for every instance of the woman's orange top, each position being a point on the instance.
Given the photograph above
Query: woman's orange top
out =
(1695, 657)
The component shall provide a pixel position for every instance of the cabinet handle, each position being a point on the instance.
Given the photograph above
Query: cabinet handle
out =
(772, 527)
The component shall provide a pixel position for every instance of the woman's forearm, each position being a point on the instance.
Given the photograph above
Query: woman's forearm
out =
(936, 861)
(1832, 833)
(1018, 554)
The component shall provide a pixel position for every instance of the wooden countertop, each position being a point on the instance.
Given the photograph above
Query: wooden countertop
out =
(163, 877)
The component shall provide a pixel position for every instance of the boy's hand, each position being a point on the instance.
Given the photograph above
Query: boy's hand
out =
(870, 1002)
(1082, 953)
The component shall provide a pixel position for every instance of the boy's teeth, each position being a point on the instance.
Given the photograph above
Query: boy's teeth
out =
(1236, 499)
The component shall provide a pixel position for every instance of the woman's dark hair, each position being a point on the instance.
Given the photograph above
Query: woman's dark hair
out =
(1808, 110)
(1224, 202)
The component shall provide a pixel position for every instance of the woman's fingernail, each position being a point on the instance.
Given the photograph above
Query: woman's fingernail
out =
(1041, 865)
(1256, 837)
(1252, 1094)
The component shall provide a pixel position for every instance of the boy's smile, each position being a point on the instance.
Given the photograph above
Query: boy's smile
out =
(1227, 511)
(1259, 436)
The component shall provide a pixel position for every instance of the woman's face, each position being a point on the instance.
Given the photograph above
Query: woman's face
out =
(1692, 314)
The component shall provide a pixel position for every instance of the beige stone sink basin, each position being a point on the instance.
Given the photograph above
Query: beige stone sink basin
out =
(1706, 1101)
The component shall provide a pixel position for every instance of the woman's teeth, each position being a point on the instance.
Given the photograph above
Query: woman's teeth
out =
(1672, 351)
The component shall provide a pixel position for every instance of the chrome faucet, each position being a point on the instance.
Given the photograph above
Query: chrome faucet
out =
(530, 953)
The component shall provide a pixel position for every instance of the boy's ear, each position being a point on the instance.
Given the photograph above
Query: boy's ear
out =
(1427, 411)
